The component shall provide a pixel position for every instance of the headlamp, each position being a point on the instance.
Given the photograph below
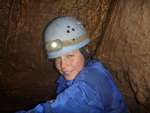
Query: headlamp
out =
(54, 45)
(57, 44)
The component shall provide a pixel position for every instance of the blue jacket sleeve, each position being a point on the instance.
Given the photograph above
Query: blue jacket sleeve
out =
(78, 98)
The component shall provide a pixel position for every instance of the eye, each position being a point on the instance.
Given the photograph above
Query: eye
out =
(70, 56)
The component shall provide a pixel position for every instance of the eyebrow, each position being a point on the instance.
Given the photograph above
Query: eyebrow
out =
(70, 54)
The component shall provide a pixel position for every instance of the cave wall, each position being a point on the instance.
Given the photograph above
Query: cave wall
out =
(120, 34)
(125, 49)
(25, 75)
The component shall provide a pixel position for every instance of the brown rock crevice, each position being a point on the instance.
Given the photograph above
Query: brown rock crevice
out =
(125, 50)
(120, 33)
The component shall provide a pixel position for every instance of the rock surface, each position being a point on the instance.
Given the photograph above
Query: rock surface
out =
(125, 49)
(121, 39)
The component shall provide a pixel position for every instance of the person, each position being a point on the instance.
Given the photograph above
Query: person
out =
(84, 86)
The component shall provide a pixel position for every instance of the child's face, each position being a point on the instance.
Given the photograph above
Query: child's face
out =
(70, 64)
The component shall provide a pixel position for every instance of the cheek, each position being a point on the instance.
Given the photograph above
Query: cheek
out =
(77, 64)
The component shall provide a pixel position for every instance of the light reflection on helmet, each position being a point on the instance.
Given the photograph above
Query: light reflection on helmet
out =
(63, 35)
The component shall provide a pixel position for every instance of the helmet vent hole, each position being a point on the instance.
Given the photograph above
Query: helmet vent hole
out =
(68, 26)
(73, 29)
(68, 31)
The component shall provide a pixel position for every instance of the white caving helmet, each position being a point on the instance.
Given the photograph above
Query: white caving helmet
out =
(64, 34)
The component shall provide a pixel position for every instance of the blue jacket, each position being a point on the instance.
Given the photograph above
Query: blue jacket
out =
(92, 91)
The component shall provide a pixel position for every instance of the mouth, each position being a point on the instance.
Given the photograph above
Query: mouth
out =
(66, 72)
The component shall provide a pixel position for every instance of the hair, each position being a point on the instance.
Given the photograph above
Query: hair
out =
(86, 53)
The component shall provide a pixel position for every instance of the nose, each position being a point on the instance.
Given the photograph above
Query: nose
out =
(64, 64)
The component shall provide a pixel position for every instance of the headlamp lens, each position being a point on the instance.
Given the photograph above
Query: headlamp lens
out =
(54, 45)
